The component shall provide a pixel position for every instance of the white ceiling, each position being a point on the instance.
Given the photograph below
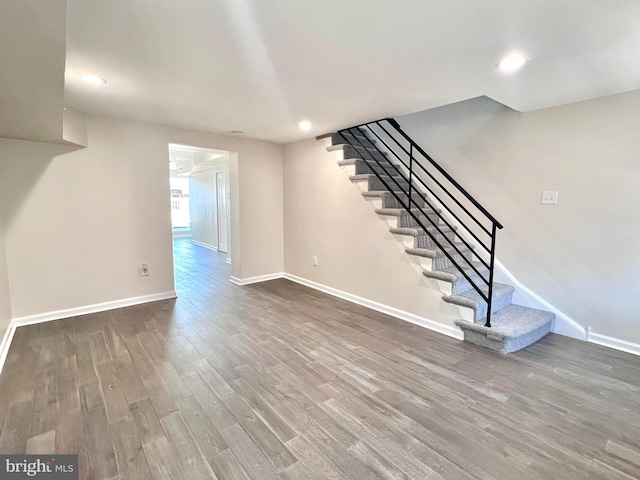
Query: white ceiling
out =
(261, 66)
(185, 160)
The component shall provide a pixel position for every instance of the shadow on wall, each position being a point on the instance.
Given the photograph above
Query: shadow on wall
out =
(22, 164)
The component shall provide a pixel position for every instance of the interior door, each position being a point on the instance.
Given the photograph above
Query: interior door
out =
(223, 209)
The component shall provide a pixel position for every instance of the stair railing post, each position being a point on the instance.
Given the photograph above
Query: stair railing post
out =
(491, 267)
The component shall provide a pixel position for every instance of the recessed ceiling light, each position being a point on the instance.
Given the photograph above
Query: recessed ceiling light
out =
(512, 62)
(93, 80)
(236, 132)
(305, 125)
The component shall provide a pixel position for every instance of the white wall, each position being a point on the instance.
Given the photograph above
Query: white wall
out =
(5, 295)
(203, 209)
(325, 216)
(203, 204)
(79, 223)
(582, 255)
(260, 210)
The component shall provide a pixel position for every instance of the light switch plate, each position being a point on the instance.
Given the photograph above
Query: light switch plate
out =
(549, 198)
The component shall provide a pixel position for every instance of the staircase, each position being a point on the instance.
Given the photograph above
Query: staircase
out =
(443, 227)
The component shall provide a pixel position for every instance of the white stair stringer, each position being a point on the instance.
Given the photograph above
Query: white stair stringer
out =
(513, 326)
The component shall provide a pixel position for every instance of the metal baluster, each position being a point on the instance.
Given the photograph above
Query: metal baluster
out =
(410, 173)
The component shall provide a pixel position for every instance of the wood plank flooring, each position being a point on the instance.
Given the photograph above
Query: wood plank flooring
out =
(278, 381)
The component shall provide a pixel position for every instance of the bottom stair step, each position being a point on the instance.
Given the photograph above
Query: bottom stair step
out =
(512, 328)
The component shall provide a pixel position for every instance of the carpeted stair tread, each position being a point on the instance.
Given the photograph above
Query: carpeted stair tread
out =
(422, 252)
(429, 253)
(452, 273)
(512, 328)
(417, 232)
(500, 298)
(376, 193)
(354, 161)
(362, 177)
(397, 212)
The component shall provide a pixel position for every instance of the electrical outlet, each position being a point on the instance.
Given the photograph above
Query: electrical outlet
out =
(144, 270)
(549, 198)
(315, 261)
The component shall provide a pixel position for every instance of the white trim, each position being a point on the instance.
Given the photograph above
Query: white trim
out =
(564, 325)
(614, 343)
(6, 343)
(73, 312)
(205, 245)
(87, 309)
(450, 331)
(228, 260)
(258, 279)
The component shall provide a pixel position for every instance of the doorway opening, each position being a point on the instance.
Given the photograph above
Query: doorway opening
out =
(200, 197)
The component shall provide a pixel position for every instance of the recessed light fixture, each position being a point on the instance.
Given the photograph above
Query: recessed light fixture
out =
(305, 125)
(512, 62)
(236, 132)
(93, 80)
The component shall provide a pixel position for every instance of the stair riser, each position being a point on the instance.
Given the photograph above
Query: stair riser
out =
(337, 139)
(423, 241)
(498, 302)
(363, 153)
(389, 201)
(409, 241)
(479, 314)
(385, 169)
(462, 284)
(394, 184)
(407, 220)
(508, 346)
(442, 262)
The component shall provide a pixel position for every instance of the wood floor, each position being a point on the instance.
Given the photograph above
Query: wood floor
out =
(278, 381)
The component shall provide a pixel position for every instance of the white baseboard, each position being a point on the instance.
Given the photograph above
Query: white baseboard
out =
(450, 331)
(258, 279)
(87, 309)
(74, 312)
(614, 343)
(205, 245)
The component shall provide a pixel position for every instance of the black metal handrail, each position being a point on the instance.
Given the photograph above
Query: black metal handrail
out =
(384, 146)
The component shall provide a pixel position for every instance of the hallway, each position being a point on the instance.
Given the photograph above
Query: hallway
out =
(278, 381)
